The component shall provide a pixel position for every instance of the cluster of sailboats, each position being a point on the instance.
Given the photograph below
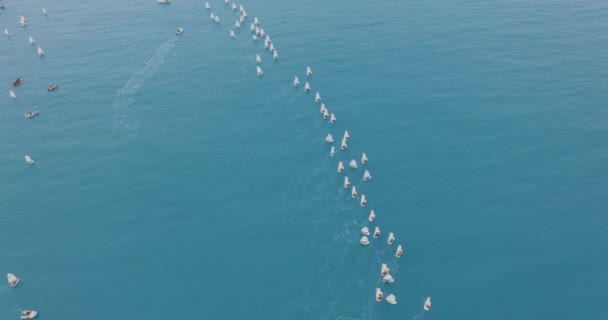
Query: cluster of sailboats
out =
(13, 281)
(31, 41)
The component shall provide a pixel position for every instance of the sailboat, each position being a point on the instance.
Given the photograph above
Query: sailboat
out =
(346, 183)
(40, 51)
(391, 238)
(237, 24)
(12, 279)
(44, 11)
(29, 159)
(22, 21)
(232, 35)
(6, 33)
(306, 87)
(364, 158)
(29, 314)
(427, 304)
(217, 18)
(340, 167)
(308, 71)
(391, 299)
(317, 97)
(275, 55)
(12, 94)
(259, 70)
(353, 193)
(296, 81)
(366, 175)
(256, 21)
(207, 5)
(332, 151)
(31, 40)
(353, 164)
(258, 59)
(179, 31)
(233, 6)
(332, 119)
(329, 138)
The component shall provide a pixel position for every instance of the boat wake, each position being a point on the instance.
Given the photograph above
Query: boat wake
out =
(126, 123)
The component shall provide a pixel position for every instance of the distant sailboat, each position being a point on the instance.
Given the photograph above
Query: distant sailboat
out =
(296, 81)
(12, 279)
(323, 109)
(307, 87)
(384, 270)
(329, 138)
(252, 27)
(6, 33)
(254, 37)
(233, 6)
(379, 295)
(332, 119)
(340, 167)
(391, 238)
(259, 70)
(308, 71)
(363, 200)
(271, 47)
(377, 232)
(258, 59)
(232, 35)
(207, 5)
(343, 145)
(346, 183)
(12, 94)
(44, 11)
(364, 240)
(372, 216)
(427, 304)
(365, 231)
(364, 158)
(388, 279)
(317, 97)
(217, 18)
(22, 21)
(332, 151)
(275, 55)
(256, 21)
(399, 251)
(346, 135)
(241, 9)
(31, 40)
(353, 193)
(237, 24)
(40, 51)
(391, 299)
(353, 164)
(212, 16)
(28, 159)
(366, 175)
(325, 114)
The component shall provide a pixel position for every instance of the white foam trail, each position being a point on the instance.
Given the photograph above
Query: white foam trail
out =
(125, 120)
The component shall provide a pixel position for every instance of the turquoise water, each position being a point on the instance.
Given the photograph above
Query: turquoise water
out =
(171, 182)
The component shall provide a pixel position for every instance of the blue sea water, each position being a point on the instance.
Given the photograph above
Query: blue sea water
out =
(172, 182)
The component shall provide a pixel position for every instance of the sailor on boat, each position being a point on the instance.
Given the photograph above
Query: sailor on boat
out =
(391, 238)
(379, 295)
(363, 158)
(12, 279)
(323, 108)
(372, 216)
(346, 183)
(52, 87)
(31, 114)
(329, 138)
(388, 279)
(259, 70)
(364, 241)
(399, 252)
(391, 299)
(343, 145)
(384, 270)
(346, 135)
(296, 81)
(307, 87)
(353, 164)
(377, 232)
(332, 119)
(365, 231)
(354, 192)
(28, 159)
(325, 114)
(317, 97)
(179, 31)
(427, 304)
(366, 176)
(363, 201)
(332, 152)
(340, 167)
(308, 72)
(28, 314)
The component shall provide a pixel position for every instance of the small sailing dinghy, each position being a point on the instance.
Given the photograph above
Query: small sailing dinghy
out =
(241, 19)
(12, 94)
(31, 114)
(233, 6)
(427, 304)
(353, 194)
(31, 40)
(346, 183)
(388, 279)
(343, 145)
(399, 251)
(332, 152)
(391, 299)
(17, 82)
(164, 1)
(12, 279)
(353, 164)
(271, 45)
(212, 16)
(296, 81)
(259, 70)
(256, 21)
(325, 114)
(340, 167)
(207, 5)
(308, 72)
(52, 87)
(29, 159)
(217, 19)
(237, 24)
(384, 270)
(254, 37)
(258, 59)
(252, 27)
(6, 33)
(364, 240)
(366, 175)
(262, 33)
(307, 87)
(377, 232)
(40, 51)
(28, 314)
(323, 109)
(346, 135)
(364, 158)
(379, 295)
(391, 238)
(275, 55)
(317, 97)
(365, 231)
(363, 200)
(241, 9)
(232, 35)
(372, 216)
(45, 11)
(22, 21)
(332, 119)
(266, 44)
(179, 31)
(329, 138)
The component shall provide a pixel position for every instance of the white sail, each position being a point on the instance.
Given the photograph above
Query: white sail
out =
(226, 1)
(353, 163)
(391, 299)
(266, 44)
(12, 94)
(259, 70)
(364, 241)
(256, 21)
(237, 24)
(365, 231)
(372, 216)
(363, 200)
(379, 295)
(232, 35)
(28, 314)
(252, 27)
(427, 304)
(332, 119)
(399, 251)
(271, 47)
(45, 11)
(212, 16)
(329, 138)
(346, 135)
(343, 145)
(262, 33)
(366, 175)
(40, 51)
(268, 38)
(22, 21)
(244, 14)
(207, 5)
(364, 158)
(346, 183)
(384, 270)
(29, 159)
(241, 9)
(31, 40)
(317, 97)
(254, 37)
(241, 19)
(332, 151)
(377, 232)
(6, 33)
(258, 59)
(12, 279)
(323, 108)
(353, 193)
(340, 167)
(325, 114)
(233, 6)
(296, 81)
(257, 30)
(306, 87)
(308, 71)
(391, 238)
(217, 18)
(388, 279)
